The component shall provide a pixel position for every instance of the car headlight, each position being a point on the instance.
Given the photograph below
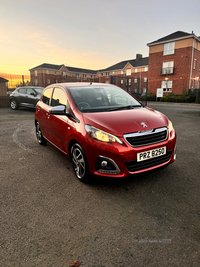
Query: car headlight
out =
(171, 130)
(101, 135)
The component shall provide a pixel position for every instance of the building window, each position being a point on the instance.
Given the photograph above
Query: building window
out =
(146, 69)
(107, 82)
(168, 67)
(135, 90)
(64, 73)
(36, 82)
(35, 72)
(122, 72)
(195, 62)
(167, 86)
(168, 48)
(144, 90)
(48, 81)
(107, 74)
(136, 70)
(47, 71)
(128, 72)
(101, 74)
(145, 79)
(135, 80)
(77, 75)
(113, 73)
(84, 76)
(55, 72)
(92, 76)
(192, 84)
(196, 43)
(122, 81)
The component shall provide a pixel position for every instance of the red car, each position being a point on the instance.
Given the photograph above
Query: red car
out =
(104, 130)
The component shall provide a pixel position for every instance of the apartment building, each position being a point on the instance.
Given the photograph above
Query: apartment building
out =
(46, 74)
(173, 64)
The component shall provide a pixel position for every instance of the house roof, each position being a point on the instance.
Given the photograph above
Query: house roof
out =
(2, 80)
(174, 36)
(85, 71)
(144, 61)
(48, 66)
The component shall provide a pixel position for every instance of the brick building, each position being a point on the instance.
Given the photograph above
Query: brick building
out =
(46, 74)
(173, 64)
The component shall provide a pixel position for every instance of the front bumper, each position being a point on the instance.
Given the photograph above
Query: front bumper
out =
(115, 160)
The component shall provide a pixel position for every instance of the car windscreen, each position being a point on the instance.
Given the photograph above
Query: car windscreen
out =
(96, 98)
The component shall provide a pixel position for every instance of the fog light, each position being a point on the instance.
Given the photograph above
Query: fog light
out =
(175, 153)
(104, 163)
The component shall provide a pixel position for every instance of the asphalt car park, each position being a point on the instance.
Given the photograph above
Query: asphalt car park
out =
(49, 218)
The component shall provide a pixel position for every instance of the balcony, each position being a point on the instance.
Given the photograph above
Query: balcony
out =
(167, 71)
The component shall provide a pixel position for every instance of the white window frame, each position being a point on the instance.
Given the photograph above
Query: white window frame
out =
(135, 80)
(167, 67)
(166, 86)
(107, 74)
(35, 72)
(47, 71)
(48, 81)
(84, 76)
(136, 69)
(77, 75)
(168, 48)
(128, 72)
(145, 79)
(146, 69)
(122, 81)
(195, 63)
(55, 72)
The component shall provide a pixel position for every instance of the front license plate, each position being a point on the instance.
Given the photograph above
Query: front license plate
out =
(151, 154)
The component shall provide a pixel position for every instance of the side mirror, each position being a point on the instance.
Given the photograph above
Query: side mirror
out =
(58, 110)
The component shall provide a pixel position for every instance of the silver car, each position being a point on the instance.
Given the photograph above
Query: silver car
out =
(27, 96)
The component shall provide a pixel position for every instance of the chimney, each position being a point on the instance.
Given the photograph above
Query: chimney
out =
(138, 56)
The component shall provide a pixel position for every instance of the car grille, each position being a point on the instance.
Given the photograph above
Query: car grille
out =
(134, 166)
(146, 137)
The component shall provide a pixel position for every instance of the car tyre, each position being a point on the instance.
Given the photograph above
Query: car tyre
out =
(79, 163)
(13, 104)
(40, 138)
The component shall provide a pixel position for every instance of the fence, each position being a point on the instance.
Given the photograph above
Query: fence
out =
(15, 80)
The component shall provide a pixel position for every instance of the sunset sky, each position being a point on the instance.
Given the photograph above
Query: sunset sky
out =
(87, 33)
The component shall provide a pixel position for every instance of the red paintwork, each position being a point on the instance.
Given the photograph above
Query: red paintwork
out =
(56, 130)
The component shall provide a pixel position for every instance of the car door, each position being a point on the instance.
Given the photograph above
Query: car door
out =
(30, 97)
(21, 96)
(58, 127)
(42, 111)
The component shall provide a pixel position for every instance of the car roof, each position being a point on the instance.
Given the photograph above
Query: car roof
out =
(80, 84)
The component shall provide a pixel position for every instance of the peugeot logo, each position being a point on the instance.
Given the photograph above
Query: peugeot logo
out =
(143, 124)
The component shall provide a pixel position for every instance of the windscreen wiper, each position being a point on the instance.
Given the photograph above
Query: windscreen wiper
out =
(125, 107)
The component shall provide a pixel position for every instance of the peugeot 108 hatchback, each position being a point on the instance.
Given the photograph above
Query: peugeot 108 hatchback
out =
(104, 130)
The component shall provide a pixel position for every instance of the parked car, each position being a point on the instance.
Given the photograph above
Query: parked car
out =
(27, 96)
(104, 130)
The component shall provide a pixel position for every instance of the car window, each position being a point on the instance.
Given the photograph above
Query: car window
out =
(47, 96)
(59, 98)
(22, 90)
(30, 91)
